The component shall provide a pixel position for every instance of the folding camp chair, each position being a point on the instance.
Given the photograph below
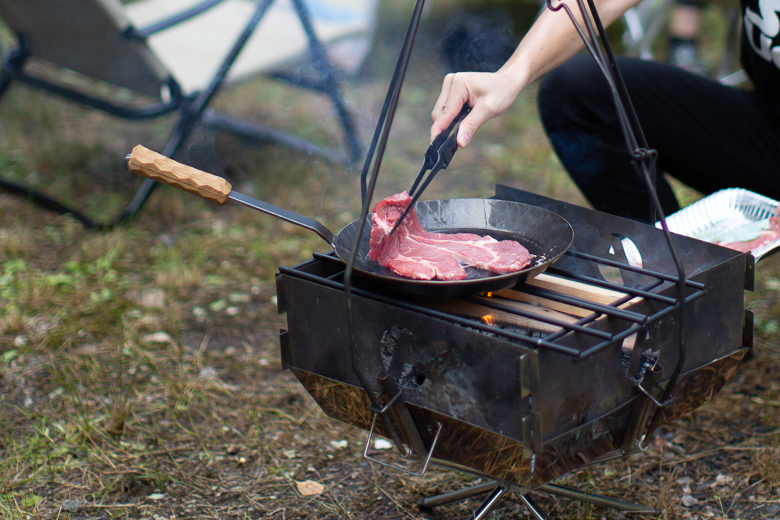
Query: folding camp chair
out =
(646, 21)
(176, 55)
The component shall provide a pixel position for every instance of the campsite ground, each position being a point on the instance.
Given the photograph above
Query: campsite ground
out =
(139, 368)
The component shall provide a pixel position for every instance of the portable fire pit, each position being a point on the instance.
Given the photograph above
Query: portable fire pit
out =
(629, 329)
(526, 384)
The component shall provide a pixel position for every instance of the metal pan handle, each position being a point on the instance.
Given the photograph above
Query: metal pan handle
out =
(152, 165)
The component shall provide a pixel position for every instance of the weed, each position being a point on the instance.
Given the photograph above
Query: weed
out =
(117, 395)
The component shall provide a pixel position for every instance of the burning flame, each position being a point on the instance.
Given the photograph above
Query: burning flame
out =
(488, 319)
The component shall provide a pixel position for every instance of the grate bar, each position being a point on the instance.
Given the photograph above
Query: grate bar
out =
(637, 270)
(474, 324)
(586, 304)
(615, 287)
(527, 314)
(550, 340)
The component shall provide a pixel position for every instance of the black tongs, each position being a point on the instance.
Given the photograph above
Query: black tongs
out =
(437, 158)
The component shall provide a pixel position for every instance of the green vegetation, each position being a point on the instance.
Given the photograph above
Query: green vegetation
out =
(139, 368)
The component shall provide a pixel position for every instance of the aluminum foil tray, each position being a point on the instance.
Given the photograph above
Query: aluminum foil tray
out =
(724, 216)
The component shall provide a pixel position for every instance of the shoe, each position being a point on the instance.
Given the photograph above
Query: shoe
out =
(686, 57)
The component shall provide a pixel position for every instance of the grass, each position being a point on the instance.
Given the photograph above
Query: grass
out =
(139, 368)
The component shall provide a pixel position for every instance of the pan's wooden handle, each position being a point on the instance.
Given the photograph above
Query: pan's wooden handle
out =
(150, 164)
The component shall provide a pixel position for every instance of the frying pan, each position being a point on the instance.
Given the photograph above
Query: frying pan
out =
(545, 234)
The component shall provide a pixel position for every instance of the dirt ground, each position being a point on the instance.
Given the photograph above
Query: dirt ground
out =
(140, 369)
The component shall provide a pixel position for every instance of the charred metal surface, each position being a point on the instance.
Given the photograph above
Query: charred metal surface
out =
(464, 373)
(595, 232)
(532, 435)
(699, 387)
(284, 344)
(521, 395)
(507, 459)
(529, 374)
(747, 329)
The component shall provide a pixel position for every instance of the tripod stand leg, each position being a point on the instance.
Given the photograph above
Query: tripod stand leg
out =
(489, 502)
(597, 500)
(498, 489)
(533, 507)
(426, 504)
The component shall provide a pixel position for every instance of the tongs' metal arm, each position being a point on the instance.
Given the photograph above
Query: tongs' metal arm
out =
(437, 157)
(433, 154)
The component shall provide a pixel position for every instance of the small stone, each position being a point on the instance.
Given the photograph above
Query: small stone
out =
(232, 311)
(689, 500)
(382, 444)
(217, 306)
(72, 504)
(152, 299)
(722, 480)
(208, 373)
(158, 337)
(240, 298)
(339, 445)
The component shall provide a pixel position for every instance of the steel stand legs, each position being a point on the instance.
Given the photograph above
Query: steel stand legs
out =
(497, 490)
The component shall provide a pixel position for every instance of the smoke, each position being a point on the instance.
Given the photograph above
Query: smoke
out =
(478, 43)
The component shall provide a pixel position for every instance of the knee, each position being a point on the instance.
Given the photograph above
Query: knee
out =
(571, 107)
(566, 94)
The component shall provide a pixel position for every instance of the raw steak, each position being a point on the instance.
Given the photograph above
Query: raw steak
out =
(416, 253)
(769, 234)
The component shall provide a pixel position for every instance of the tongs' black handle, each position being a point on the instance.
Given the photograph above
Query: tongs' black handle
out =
(437, 158)
(432, 153)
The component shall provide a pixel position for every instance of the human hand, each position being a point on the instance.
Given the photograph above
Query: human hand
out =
(489, 94)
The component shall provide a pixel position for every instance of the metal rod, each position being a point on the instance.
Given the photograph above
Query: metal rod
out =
(533, 507)
(173, 20)
(381, 134)
(596, 500)
(552, 321)
(455, 496)
(489, 502)
(638, 270)
(586, 304)
(643, 162)
(635, 292)
(547, 342)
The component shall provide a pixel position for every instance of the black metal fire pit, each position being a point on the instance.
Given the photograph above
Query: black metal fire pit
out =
(527, 384)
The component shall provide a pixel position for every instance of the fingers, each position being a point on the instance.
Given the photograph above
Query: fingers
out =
(488, 95)
(470, 125)
(474, 89)
(447, 106)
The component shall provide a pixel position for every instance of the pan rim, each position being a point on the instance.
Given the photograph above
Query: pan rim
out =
(492, 282)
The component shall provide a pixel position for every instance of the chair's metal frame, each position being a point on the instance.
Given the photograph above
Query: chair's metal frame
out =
(192, 108)
(644, 23)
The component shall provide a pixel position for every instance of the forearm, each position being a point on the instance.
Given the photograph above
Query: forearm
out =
(552, 40)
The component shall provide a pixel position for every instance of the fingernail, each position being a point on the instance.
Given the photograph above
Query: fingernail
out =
(465, 139)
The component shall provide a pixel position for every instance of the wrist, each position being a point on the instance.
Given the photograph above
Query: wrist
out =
(516, 78)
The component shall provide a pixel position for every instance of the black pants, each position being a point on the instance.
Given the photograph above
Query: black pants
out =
(707, 135)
